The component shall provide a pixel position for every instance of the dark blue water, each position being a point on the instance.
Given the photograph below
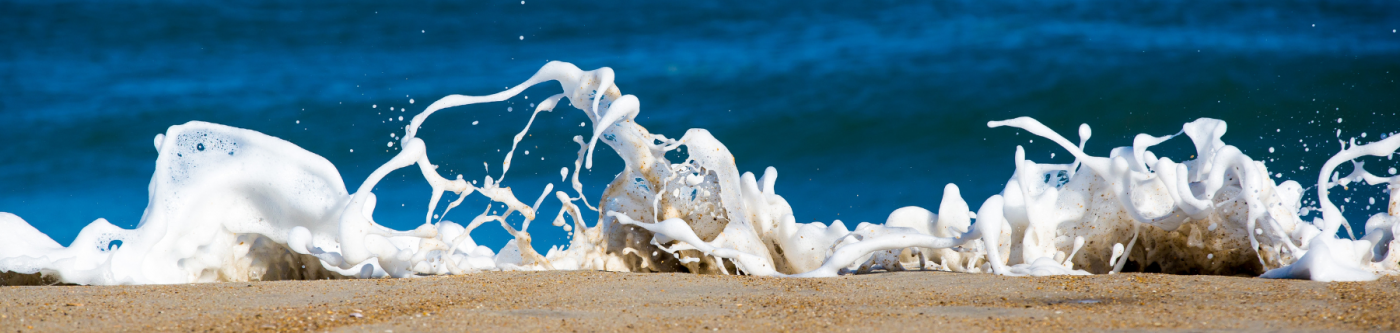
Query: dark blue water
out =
(863, 106)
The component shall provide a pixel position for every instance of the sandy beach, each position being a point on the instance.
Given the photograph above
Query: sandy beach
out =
(604, 301)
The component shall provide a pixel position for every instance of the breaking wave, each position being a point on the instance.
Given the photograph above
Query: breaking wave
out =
(230, 204)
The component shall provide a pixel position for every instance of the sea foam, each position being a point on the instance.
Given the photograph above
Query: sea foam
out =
(230, 204)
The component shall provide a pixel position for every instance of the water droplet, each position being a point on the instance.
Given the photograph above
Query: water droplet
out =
(200, 147)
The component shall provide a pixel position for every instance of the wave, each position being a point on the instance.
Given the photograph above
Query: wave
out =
(230, 204)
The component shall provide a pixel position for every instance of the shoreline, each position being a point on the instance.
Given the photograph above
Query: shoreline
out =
(607, 301)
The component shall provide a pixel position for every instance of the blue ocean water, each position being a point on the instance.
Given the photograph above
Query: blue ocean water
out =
(862, 106)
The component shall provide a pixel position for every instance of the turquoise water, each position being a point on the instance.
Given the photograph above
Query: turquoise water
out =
(862, 106)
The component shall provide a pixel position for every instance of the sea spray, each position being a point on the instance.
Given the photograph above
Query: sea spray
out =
(230, 204)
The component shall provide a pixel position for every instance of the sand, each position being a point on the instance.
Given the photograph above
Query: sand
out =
(605, 301)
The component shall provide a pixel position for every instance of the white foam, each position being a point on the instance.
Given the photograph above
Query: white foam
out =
(222, 202)
(230, 204)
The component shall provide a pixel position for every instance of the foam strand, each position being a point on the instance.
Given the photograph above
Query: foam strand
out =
(544, 106)
(623, 108)
(563, 72)
(989, 223)
(578, 186)
(1122, 256)
(1331, 216)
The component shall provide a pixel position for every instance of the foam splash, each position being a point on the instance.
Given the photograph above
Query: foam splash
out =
(229, 204)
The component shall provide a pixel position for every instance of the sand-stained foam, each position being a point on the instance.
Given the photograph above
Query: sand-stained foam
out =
(230, 204)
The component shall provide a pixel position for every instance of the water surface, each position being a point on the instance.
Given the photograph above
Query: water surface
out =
(862, 106)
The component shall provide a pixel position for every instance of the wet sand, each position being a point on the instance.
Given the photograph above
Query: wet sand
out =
(604, 301)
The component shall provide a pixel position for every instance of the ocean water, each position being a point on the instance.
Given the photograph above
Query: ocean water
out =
(863, 107)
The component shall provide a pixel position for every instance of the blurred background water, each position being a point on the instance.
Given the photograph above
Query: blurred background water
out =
(862, 106)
